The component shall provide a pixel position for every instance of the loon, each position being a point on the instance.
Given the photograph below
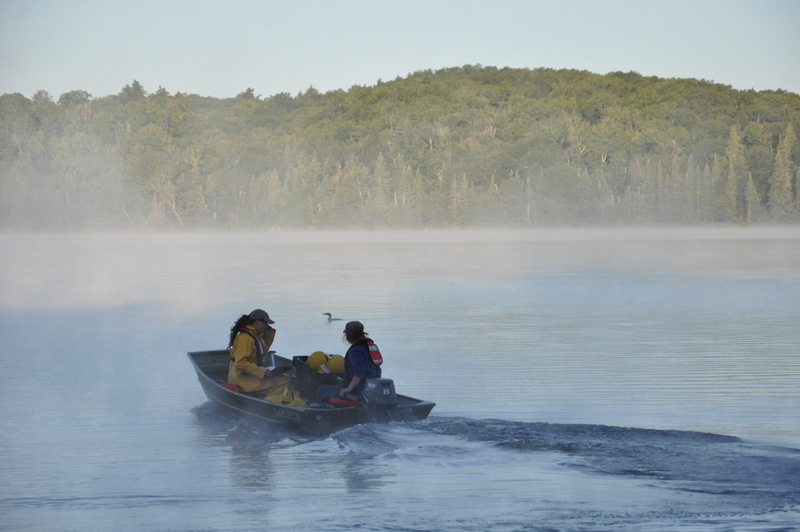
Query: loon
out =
(330, 318)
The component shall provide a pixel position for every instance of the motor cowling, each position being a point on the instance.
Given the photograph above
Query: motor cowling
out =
(379, 394)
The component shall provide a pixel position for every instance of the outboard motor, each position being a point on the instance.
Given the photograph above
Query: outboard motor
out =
(380, 397)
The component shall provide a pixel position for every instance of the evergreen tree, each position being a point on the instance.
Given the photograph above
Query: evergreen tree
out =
(781, 203)
(737, 178)
(132, 93)
(753, 202)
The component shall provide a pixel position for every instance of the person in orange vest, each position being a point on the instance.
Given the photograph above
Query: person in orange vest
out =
(362, 362)
(250, 339)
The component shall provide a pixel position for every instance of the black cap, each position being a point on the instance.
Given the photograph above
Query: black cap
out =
(259, 314)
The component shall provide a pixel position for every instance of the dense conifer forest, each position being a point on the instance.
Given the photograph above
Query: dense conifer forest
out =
(460, 147)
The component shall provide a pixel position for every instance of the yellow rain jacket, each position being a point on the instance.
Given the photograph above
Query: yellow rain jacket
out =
(244, 370)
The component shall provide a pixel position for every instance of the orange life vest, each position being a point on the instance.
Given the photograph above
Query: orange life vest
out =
(374, 352)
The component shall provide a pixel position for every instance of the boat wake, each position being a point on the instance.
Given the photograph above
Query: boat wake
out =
(739, 476)
(664, 454)
(582, 476)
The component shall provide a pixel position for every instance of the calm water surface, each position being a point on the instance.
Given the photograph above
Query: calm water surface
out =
(584, 380)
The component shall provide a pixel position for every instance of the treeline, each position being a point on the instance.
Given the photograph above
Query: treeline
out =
(457, 147)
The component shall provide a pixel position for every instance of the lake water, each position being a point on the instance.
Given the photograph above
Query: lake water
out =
(584, 380)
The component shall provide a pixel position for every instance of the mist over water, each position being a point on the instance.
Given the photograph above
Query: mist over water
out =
(584, 379)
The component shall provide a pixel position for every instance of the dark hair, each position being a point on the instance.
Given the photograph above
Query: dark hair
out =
(354, 330)
(243, 321)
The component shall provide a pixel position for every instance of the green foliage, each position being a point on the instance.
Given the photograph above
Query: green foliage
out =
(463, 146)
(782, 205)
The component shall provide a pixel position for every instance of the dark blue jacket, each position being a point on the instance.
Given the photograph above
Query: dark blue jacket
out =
(358, 363)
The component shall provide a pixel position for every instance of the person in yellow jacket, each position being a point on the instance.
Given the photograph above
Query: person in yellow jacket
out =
(251, 337)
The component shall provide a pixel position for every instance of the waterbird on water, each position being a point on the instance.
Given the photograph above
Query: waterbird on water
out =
(331, 318)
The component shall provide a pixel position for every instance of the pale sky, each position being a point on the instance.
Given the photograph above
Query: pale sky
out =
(221, 48)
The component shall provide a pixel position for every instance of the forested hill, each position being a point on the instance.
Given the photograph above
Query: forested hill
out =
(458, 147)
